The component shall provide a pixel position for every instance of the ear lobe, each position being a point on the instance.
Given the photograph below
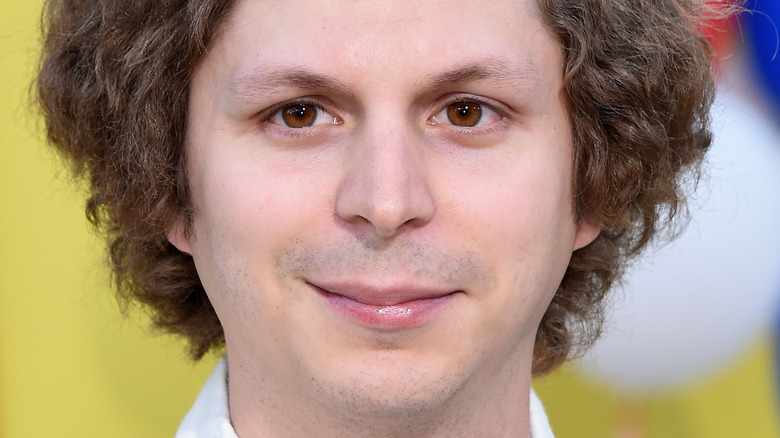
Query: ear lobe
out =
(178, 237)
(586, 233)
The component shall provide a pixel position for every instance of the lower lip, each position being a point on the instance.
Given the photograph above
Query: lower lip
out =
(398, 316)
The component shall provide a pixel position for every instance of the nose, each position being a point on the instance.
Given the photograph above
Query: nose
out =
(385, 188)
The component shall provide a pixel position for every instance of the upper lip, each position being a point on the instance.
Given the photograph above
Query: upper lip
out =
(384, 295)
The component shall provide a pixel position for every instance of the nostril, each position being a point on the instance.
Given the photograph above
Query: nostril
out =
(386, 216)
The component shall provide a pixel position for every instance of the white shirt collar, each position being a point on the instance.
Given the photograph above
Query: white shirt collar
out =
(209, 416)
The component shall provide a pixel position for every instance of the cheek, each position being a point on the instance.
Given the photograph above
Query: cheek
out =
(515, 206)
(520, 215)
(247, 211)
(234, 223)
(248, 204)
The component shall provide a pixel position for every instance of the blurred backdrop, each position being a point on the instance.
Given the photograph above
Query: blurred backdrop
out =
(691, 345)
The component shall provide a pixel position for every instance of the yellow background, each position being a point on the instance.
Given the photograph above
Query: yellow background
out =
(71, 366)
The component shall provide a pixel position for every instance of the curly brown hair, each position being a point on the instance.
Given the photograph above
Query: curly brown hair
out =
(114, 83)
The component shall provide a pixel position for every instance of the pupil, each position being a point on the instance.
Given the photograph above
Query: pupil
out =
(300, 112)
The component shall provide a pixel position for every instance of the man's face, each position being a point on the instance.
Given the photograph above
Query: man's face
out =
(382, 193)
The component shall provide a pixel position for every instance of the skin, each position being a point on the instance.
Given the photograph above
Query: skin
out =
(381, 194)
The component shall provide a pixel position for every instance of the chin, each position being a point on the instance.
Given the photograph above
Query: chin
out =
(387, 386)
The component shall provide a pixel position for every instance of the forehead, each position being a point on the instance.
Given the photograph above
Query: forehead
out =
(376, 41)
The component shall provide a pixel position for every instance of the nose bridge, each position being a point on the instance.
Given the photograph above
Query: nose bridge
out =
(386, 185)
(391, 161)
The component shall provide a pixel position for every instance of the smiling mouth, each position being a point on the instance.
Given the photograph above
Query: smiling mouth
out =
(387, 308)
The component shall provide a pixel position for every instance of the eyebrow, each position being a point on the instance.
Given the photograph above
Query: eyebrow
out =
(257, 83)
(522, 77)
(249, 85)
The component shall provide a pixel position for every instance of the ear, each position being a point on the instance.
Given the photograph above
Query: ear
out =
(586, 233)
(179, 238)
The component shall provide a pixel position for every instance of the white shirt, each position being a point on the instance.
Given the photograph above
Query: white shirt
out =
(209, 416)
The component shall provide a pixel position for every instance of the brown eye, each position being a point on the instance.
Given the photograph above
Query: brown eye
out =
(299, 115)
(464, 113)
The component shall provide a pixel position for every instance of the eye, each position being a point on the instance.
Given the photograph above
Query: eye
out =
(300, 115)
(466, 114)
